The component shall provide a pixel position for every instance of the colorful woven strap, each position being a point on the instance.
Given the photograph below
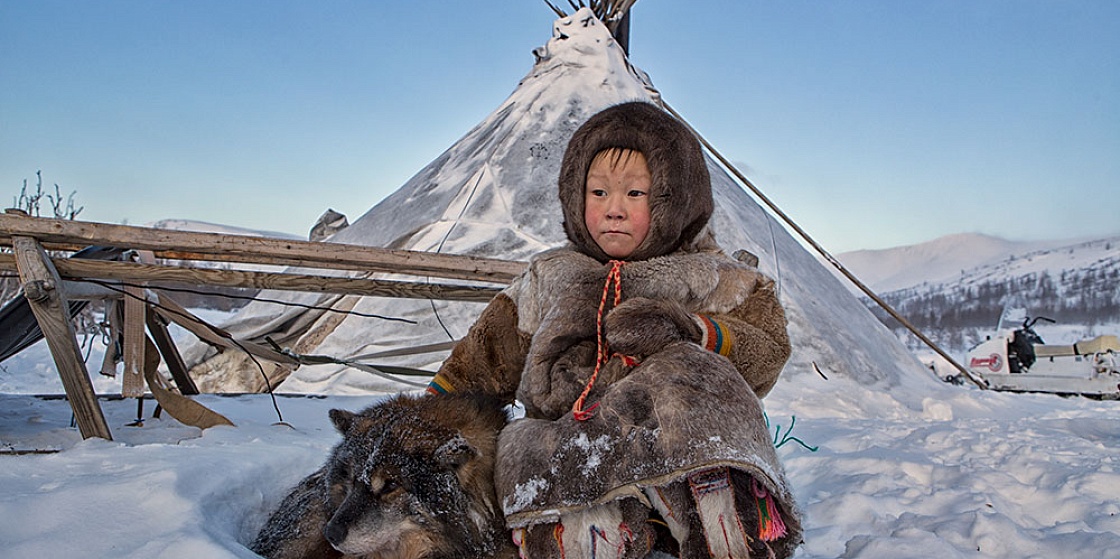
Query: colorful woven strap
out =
(440, 385)
(716, 337)
(715, 510)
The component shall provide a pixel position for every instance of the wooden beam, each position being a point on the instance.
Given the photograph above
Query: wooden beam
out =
(134, 272)
(48, 303)
(303, 253)
(86, 291)
(113, 315)
(166, 346)
(132, 385)
(173, 312)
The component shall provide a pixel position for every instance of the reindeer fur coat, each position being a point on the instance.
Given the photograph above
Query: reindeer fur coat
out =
(672, 407)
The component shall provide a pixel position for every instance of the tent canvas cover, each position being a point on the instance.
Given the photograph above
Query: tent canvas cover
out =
(493, 194)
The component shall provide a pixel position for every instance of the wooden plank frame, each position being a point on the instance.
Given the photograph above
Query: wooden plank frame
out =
(162, 338)
(239, 248)
(42, 278)
(151, 274)
(135, 309)
(41, 287)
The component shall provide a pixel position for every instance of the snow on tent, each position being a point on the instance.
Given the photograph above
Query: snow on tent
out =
(493, 194)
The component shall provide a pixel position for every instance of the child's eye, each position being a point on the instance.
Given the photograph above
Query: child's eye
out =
(637, 193)
(597, 192)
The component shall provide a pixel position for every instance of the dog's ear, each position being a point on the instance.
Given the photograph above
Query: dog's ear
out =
(342, 420)
(455, 452)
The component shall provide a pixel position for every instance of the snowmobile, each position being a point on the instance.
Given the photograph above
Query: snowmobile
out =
(1019, 360)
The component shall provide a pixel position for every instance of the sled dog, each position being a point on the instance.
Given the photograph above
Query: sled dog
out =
(412, 478)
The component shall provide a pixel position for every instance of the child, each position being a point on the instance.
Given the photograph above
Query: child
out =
(640, 352)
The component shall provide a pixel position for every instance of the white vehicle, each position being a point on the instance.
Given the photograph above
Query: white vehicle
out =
(1018, 360)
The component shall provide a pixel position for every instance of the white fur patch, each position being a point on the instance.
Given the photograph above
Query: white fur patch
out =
(715, 501)
(675, 519)
(596, 533)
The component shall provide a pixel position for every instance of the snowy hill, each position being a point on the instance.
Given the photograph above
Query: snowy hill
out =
(955, 288)
(936, 261)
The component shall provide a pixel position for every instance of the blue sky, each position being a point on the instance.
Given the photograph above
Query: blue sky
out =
(873, 124)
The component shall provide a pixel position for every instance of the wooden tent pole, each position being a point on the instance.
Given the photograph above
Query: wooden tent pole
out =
(827, 256)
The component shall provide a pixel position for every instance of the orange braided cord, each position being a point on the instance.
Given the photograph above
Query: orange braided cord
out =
(614, 279)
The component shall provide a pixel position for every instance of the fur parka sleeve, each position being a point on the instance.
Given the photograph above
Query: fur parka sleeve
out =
(491, 356)
(759, 344)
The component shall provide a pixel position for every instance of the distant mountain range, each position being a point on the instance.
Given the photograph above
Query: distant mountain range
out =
(955, 288)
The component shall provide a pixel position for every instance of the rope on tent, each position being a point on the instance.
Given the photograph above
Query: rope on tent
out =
(774, 250)
(827, 256)
(383, 371)
(447, 235)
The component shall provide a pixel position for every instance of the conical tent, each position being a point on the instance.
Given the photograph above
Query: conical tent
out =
(493, 194)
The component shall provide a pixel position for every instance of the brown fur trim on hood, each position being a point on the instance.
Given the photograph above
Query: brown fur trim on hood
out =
(681, 193)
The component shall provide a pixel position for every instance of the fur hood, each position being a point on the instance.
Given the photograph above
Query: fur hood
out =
(681, 193)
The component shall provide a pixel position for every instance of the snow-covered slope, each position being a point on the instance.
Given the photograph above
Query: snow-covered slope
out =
(956, 288)
(935, 261)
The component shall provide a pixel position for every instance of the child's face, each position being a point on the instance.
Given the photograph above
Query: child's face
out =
(616, 201)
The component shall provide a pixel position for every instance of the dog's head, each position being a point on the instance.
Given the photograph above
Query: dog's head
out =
(413, 477)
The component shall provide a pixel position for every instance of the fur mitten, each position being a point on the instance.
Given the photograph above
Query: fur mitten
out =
(640, 327)
(561, 358)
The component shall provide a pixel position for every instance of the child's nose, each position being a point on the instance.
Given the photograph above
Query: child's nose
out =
(615, 208)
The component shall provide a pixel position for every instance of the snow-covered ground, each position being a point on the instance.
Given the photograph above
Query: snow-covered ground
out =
(971, 474)
(956, 472)
(907, 467)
